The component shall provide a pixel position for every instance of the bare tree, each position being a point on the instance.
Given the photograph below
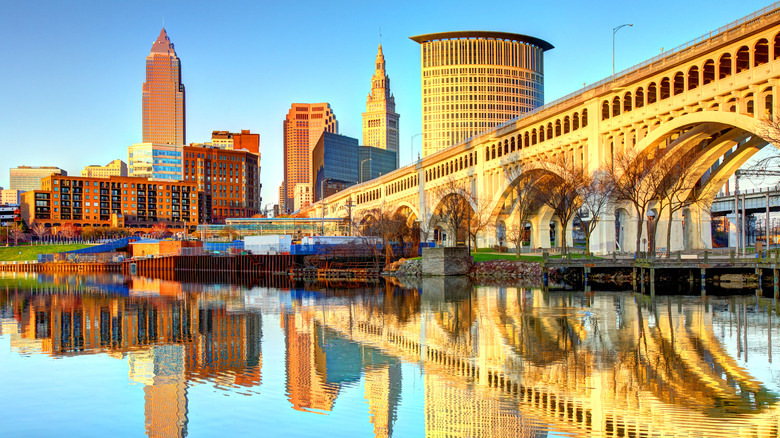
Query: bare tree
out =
(454, 206)
(673, 181)
(480, 217)
(559, 189)
(596, 197)
(39, 230)
(630, 177)
(522, 202)
(69, 231)
(391, 227)
(159, 229)
(15, 232)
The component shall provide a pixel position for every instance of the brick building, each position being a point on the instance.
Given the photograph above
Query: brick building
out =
(115, 201)
(228, 181)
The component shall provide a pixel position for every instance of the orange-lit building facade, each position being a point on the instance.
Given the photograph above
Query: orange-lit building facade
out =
(115, 201)
(229, 181)
(163, 95)
(303, 126)
(233, 140)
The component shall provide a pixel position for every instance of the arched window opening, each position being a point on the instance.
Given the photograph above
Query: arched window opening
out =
(750, 104)
(616, 106)
(500, 150)
(512, 145)
(605, 110)
(549, 131)
(584, 118)
(743, 59)
(768, 104)
(487, 154)
(761, 52)
(557, 128)
(525, 140)
(693, 78)
(627, 102)
(776, 45)
(541, 134)
(471, 160)
(651, 93)
(575, 122)
(724, 66)
(566, 125)
(665, 89)
(493, 152)
(506, 147)
(639, 98)
(708, 72)
(679, 83)
(533, 137)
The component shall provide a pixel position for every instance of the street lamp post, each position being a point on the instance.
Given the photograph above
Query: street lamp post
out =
(361, 169)
(411, 147)
(614, 31)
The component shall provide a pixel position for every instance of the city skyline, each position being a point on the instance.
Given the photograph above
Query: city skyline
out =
(246, 79)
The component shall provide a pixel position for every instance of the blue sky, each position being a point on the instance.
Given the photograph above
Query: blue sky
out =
(72, 78)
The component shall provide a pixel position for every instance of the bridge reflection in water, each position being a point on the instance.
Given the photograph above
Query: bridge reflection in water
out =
(494, 361)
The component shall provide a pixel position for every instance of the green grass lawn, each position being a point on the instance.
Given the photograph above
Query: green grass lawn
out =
(483, 257)
(28, 252)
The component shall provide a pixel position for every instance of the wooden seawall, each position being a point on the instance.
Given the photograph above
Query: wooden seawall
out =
(698, 268)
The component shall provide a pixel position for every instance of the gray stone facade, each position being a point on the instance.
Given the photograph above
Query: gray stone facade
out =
(446, 261)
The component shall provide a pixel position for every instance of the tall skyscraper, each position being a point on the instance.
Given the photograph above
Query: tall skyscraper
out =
(475, 80)
(303, 126)
(380, 121)
(163, 95)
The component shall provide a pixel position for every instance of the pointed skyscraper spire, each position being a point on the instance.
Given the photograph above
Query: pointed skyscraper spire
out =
(380, 121)
(163, 44)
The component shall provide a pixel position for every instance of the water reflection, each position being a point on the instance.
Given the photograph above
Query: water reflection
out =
(494, 361)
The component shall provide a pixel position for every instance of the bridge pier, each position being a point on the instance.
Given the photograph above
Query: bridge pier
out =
(698, 228)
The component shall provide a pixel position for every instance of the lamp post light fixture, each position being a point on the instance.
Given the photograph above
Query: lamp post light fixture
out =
(614, 31)
(361, 170)
(411, 147)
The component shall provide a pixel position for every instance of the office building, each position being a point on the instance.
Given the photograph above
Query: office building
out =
(282, 199)
(163, 106)
(303, 126)
(114, 168)
(302, 196)
(228, 181)
(375, 162)
(380, 121)
(334, 164)
(29, 177)
(233, 140)
(10, 197)
(475, 80)
(154, 160)
(115, 201)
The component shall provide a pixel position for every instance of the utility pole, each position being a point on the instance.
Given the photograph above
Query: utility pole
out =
(349, 208)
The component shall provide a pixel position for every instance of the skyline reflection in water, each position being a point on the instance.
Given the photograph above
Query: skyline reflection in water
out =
(131, 356)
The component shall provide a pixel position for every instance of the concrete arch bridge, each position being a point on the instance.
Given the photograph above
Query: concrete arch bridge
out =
(706, 101)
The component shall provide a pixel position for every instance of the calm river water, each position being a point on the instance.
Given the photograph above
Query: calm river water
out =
(110, 355)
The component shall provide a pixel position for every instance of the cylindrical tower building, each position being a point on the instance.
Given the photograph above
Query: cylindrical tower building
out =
(475, 80)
